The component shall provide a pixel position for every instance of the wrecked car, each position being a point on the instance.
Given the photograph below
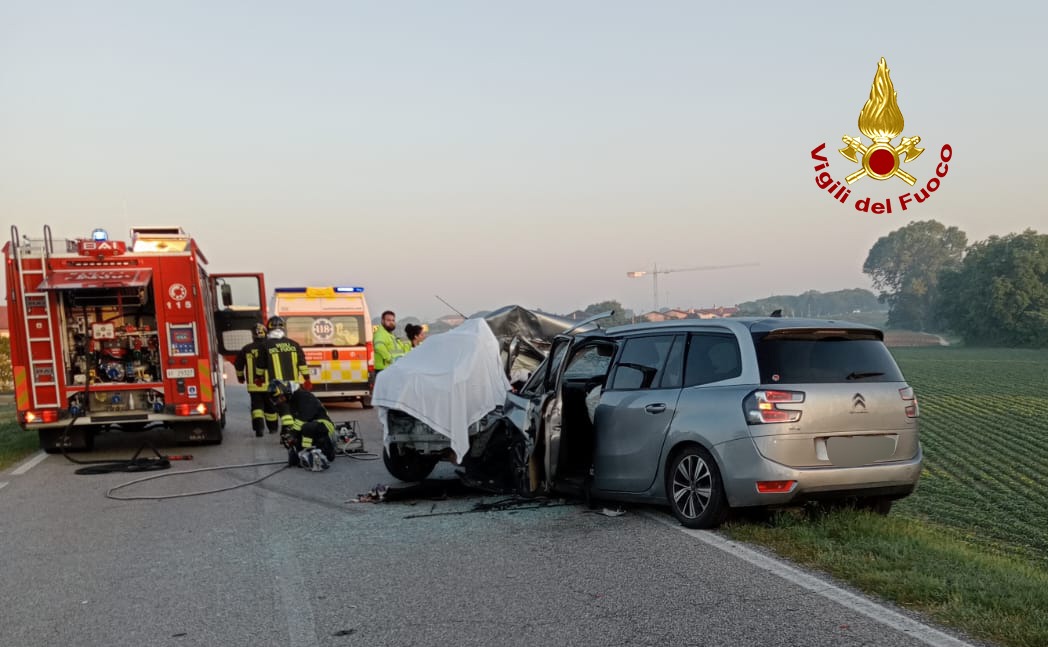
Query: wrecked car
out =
(707, 415)
(443, 401)
(524, 338)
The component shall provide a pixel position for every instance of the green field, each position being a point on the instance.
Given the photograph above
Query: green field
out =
(15, 444)
(984, 430)
(970, 546)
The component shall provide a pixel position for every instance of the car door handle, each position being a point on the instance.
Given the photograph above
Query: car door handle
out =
(655, 408)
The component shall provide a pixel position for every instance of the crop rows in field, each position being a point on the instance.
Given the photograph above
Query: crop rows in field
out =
(984, 430)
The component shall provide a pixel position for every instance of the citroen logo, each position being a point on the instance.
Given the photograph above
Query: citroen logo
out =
(858, 402)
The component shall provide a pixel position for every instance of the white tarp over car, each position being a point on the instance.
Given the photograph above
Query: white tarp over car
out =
(448, 382)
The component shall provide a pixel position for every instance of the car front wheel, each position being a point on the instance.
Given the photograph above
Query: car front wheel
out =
(695, 490)
(408, 465)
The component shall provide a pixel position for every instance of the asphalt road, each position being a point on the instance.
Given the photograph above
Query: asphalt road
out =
(290, 561)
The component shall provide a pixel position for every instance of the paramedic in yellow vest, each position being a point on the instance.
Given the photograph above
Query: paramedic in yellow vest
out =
(251, 362)
(387, 346)
(285, 362)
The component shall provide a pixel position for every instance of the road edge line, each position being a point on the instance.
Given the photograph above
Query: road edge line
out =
(29, 463)
(867, 607)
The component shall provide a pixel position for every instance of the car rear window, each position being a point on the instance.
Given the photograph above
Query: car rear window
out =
(807, 357)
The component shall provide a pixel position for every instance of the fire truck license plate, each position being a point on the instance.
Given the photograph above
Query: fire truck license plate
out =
(173, 373)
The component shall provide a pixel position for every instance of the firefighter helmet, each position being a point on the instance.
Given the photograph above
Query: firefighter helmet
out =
(260, 331)
(276, 322)
(279, 389)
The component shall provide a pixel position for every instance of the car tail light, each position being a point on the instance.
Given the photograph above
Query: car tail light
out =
(183, 409)
(47, 415)
(371, 355)
(912, 410)
(762, 407)
(775, 487)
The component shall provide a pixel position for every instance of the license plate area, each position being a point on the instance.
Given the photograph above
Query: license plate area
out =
(853, 451)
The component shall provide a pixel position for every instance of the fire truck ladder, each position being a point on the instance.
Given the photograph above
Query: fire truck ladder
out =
(38, 365)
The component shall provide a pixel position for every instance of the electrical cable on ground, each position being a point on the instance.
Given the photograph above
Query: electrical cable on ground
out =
(159, 497)
(360, 455)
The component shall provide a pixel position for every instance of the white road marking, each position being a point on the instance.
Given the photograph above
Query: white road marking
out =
(292, 590)
(866, 607)
(3, 484)
(30, 463)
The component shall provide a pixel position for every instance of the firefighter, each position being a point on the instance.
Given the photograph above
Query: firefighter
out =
(311, 426)
(285, 361)
(250, 362)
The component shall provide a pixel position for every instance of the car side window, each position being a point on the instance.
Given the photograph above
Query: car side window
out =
(589, 362)
(556, 357)
(641, 364)
(673, 375)
(712, 357)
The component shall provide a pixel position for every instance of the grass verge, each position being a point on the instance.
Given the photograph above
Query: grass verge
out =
(15, 444)
(920, 566)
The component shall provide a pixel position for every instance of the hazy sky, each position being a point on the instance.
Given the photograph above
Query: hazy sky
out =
(513, 152)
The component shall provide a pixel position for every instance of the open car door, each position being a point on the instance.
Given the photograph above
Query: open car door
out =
(239, 305)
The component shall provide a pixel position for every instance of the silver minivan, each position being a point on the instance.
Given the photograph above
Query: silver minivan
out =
(707, 415)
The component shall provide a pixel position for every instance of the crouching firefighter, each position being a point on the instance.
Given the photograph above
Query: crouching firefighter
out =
(310, 441)
(250, 365)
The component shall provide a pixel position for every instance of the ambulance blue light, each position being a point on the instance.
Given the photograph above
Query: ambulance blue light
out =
(99, 235)
(349, 289)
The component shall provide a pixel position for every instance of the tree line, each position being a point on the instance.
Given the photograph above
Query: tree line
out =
(993, 292)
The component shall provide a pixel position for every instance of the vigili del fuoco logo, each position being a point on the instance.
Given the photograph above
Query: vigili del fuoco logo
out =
(881, 121)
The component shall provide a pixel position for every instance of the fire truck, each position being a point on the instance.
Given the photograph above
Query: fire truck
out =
(333, 326)
(108, 335)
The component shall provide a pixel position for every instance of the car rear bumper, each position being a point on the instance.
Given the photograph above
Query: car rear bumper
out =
(742, 467)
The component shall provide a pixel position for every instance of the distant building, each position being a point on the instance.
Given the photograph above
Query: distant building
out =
(716, 312)
(674, 314)
(451, 320)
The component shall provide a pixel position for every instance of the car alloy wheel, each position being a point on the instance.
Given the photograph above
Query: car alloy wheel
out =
(695, 490)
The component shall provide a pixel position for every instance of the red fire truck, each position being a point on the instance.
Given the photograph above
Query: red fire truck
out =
(115, 336)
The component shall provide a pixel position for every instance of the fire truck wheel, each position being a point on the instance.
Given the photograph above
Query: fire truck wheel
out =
(214, 434)
(53, 441)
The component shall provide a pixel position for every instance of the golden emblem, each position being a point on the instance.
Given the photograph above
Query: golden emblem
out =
(882, 121)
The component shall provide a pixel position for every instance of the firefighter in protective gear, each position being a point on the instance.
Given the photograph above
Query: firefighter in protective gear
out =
(311, 427)
(249, 363)
(285, 361)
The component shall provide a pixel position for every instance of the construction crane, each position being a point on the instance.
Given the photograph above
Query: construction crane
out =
(655, 271)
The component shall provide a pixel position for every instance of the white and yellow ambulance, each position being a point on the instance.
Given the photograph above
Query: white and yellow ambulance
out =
(333, 325)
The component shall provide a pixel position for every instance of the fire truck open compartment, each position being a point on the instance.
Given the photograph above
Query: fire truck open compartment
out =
(111, 335)
(108, 335)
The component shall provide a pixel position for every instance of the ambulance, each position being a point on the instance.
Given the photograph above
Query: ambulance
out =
(333, 326)
(108, 335)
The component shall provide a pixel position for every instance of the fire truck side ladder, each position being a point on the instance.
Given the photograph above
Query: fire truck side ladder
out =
(37, 297)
